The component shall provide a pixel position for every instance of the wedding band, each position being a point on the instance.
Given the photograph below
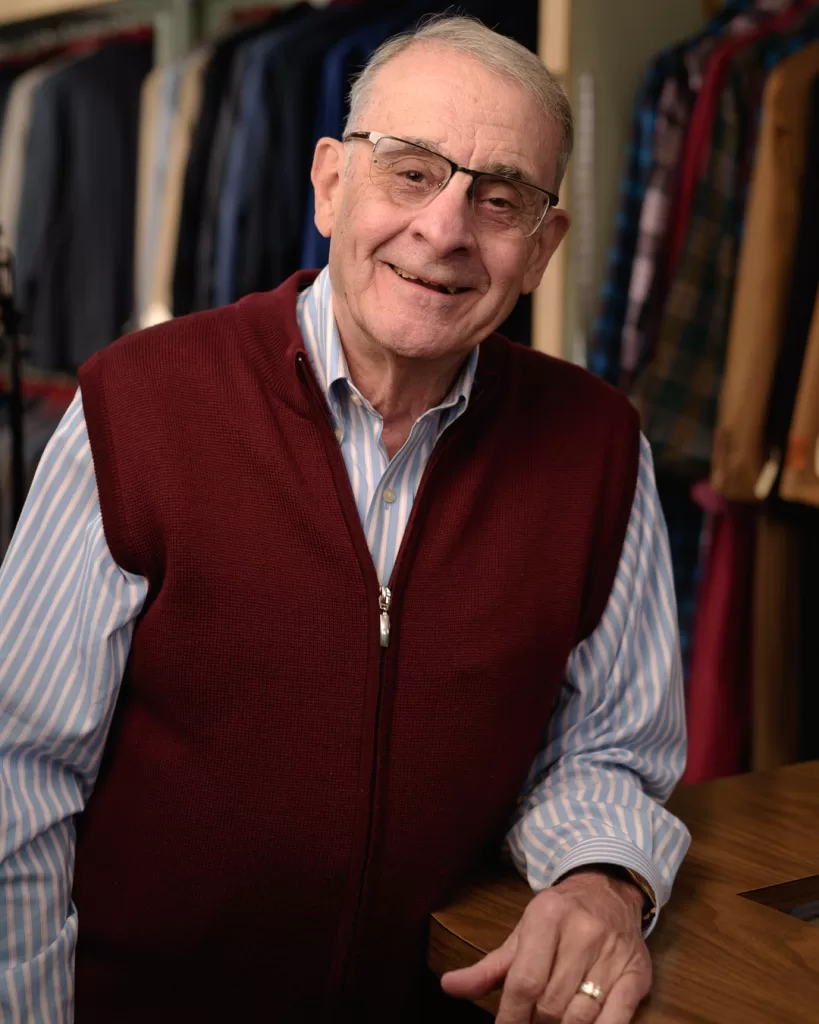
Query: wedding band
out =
(588, 988)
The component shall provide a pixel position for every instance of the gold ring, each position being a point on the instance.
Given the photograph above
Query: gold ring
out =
(588, 988)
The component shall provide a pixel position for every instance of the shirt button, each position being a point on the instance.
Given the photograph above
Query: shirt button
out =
(389, 495)
(339, 434)
(356, 400)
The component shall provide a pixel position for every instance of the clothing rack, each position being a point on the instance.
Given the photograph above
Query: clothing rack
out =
(179, 25)
(12, 11)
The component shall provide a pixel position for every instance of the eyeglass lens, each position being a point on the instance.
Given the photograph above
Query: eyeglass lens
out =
(413, 176)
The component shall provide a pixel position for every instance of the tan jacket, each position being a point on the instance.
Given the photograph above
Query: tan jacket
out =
(763, 280)
(148, 108)
(159, 292)
(800, 479)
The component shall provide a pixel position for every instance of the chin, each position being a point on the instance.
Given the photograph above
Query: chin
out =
(413, 338)
(414, 344)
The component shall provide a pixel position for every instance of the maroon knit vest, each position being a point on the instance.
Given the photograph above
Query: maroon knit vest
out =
(282, 801)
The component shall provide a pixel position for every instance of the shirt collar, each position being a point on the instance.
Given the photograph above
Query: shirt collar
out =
(326, 354)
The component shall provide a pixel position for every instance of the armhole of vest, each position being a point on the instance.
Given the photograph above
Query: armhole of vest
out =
(602, 577)
(109, 488)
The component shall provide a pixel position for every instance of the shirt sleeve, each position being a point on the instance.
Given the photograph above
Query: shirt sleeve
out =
(67, 614)
(616, 743)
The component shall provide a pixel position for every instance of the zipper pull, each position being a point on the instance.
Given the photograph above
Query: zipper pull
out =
(384, 601)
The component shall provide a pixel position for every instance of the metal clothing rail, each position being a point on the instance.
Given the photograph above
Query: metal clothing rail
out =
(179, 25)
(12, 11)
(32, 25)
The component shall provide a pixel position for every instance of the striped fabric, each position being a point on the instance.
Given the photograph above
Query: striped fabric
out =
(384, 490)
(612, 752)
(604, 348)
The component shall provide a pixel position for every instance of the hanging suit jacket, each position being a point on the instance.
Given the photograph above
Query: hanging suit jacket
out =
(800, 480)
(801, 301)
(678, 394)
(16, 127)
(763, 281)
(76, 236)
(216, 80)
(148, 108)
(159, 297)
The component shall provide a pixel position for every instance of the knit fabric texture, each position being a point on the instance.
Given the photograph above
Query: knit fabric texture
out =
(282, 801)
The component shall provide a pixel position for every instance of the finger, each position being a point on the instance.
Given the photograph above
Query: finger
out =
(583, 1009)
(622, 1002)
(577, 950)
(605, 972)
(528, 976)
(483, 977)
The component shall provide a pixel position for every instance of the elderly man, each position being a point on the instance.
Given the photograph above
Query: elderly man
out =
(318, 597)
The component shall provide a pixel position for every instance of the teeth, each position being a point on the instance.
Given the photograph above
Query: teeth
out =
(411, 277)
(405, 275)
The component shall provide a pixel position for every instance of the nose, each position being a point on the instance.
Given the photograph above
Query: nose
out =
(446, 223)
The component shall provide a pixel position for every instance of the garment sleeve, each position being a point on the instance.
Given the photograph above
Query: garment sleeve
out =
(615, 746)
(39, 202)
(67, 614)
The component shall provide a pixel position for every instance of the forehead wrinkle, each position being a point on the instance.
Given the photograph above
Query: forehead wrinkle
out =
(493, 167)
(467, 121)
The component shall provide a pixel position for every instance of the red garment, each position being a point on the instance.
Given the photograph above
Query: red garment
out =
(718, 695)
(283, 802)
(698, 138)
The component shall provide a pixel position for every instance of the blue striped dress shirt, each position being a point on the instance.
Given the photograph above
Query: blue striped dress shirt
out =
(611, 753)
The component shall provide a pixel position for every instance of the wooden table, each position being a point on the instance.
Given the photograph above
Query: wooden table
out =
(719, 957)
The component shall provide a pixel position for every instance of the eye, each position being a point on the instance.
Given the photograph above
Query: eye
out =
(413, 175)
(497, 195)
(410, 169)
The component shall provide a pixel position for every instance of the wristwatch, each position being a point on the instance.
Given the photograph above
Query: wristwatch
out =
(625, 874)
(649, 904)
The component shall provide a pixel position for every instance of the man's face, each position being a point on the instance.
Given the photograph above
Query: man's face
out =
(433, 94)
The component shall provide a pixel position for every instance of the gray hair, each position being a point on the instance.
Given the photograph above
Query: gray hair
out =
(496, 52)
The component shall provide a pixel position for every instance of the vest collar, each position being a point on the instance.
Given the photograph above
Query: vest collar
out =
(268, 323)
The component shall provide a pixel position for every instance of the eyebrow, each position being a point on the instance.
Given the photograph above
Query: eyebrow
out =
(511, 171)
(507, 170)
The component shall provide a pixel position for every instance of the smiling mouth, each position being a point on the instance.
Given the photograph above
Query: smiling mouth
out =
(442, 289)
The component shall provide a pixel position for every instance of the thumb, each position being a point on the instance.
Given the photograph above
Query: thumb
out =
(483, 977)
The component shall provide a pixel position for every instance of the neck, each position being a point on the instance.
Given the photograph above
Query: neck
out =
(400, 389)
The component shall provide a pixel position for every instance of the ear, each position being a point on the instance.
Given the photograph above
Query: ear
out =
(327, 176)
(548, 238)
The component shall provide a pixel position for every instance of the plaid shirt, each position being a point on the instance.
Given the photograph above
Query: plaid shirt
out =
(647, 285)
(677, 394)
(604, 349)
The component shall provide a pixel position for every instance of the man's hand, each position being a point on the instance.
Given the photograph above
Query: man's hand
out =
(585, 928)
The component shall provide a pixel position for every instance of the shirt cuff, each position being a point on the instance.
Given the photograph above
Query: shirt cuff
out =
(617, 852)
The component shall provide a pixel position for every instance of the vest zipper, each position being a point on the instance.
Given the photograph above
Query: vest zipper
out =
(384, 602)
(385, 596)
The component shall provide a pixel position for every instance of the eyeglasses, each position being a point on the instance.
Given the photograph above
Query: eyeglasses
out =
(412, 175)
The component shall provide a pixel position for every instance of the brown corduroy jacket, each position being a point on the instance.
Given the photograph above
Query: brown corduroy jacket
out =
(800, 479)
(763, 278)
